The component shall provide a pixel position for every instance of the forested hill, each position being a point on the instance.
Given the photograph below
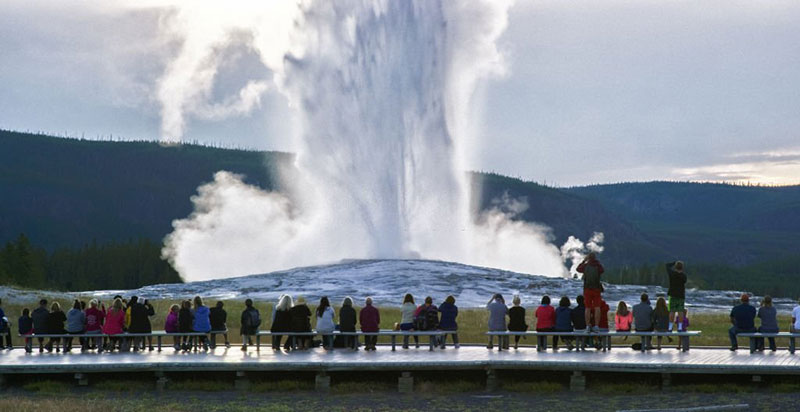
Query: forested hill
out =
(69, 193)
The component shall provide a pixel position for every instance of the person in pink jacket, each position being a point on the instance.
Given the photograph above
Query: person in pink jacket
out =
(115, 320)
(171, 324)
(94, 322)
(370, 320)
(623, 319)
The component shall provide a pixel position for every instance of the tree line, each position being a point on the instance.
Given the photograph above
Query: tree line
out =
(115, 265)
(775, 277)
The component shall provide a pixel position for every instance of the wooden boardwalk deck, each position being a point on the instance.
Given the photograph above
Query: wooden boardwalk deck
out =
(699, 360)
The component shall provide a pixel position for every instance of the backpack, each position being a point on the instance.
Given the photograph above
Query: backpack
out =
(591, 278)
(419, 320)
(431, 319)
(253, 319)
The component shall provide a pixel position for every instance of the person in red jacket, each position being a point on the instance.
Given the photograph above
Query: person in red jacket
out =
(545, 322)
(370, 320)
(592, 288)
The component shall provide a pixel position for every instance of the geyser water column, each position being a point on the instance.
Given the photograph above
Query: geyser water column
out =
(370, 86)
(382, 90)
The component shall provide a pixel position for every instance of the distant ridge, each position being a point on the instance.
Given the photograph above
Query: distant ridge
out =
(68, 192)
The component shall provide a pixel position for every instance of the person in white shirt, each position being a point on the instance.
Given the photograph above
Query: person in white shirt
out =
(325, 325)
(796, 318)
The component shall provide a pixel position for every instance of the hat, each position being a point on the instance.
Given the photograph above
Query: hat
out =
(745, 297)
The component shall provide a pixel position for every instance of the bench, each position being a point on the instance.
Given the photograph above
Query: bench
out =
(125, 336)
(754, 336)
(605, 337)
(383, 332)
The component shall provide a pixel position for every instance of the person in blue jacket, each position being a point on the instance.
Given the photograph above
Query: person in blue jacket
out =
(563, 322)
(25, 327)
(201, 322)
(449, 311)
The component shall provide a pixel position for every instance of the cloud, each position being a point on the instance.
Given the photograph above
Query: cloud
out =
(777, 167)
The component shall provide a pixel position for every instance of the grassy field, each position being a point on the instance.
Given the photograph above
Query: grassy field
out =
(471, 322)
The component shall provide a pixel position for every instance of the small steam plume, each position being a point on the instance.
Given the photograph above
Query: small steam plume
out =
(574, 250)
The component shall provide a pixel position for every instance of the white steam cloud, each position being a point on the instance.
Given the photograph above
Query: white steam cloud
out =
(384, 96)
(574, 250)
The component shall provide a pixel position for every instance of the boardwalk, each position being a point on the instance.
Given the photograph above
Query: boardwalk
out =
(706, 361)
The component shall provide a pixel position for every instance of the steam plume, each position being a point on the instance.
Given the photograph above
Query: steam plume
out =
(383, 91)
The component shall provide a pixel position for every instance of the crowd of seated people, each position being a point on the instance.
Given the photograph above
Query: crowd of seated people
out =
(291, 319)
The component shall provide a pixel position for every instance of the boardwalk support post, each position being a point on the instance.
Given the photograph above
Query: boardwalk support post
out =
(241, 383)
(83, 380)
(666, 380)
(577, 382)
(491, 379)
(161, 381)
(405, 383)
(322, 382)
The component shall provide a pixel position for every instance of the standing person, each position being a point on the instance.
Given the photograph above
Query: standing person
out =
(25, 327)
(250, 322)
(661, 319)
(301, 323)
(497, 320)
(39, 317)
(138, 314)
(325, 322)
(545, 322)
(76, 324)
(769, 323)
(676, 293)
(578, 317)
(563, 322)
(592, 288)
(185, 321)
(171, 325)
(516, 319)
(281, 322)
(407, 311)
(743, 320)
(219, 319)
(623, 318)
(449, 312)
(55, 326)
(5, 329)
(347, 323)
(201, 323)
(114, 323)
(370, 320)
(643, 319)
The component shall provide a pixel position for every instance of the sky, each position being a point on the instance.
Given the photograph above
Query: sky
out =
(594, 91)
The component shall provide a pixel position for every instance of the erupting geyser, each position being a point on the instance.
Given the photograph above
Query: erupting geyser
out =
(383, 94)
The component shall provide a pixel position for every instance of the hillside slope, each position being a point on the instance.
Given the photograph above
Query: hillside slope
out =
(68, 192)
(739, 225)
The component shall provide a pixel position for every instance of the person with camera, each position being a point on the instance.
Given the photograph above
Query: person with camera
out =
(677, 294)
(592, 289)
